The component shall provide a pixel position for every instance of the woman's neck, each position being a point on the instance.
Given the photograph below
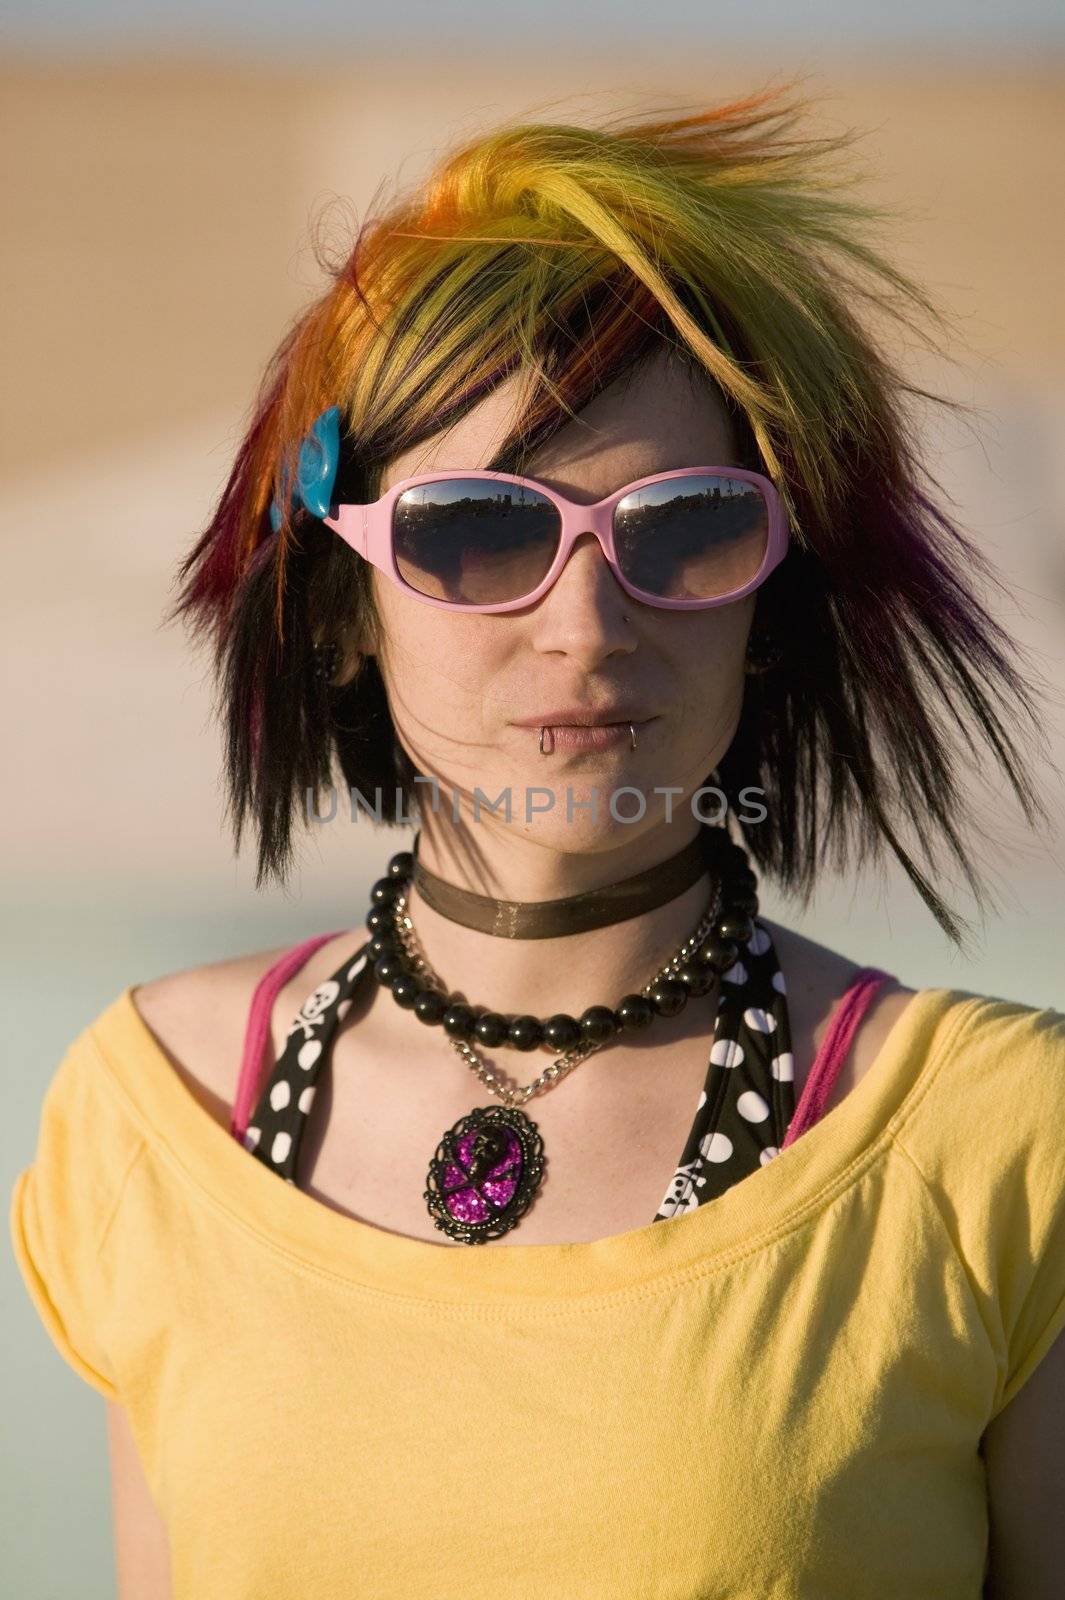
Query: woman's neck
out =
(544, 976)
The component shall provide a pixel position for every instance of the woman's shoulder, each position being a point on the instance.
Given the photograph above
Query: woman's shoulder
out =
(995, 1074)
(199, 1015)
(98, 1132)
(817, 979)
(975, 1045)
(981, 1133)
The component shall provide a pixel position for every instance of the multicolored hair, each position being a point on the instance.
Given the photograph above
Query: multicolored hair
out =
(571, 253)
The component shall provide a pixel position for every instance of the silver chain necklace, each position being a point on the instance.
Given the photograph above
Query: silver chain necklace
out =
(565, 1063)
(489, 1165)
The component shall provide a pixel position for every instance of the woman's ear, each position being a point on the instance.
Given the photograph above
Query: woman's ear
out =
(354, 642)
(341, 646)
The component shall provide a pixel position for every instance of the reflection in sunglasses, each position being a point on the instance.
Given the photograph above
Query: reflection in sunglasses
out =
(473, 541)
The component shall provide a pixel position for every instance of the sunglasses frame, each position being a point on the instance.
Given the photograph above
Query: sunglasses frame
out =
(368, 529)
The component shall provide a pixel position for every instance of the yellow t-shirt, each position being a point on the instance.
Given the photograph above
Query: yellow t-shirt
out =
(778, 1394)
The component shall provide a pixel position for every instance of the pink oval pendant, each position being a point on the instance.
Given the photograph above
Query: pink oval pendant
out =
(485, 1172)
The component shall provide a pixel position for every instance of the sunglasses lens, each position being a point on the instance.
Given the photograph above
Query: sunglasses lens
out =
(474, 541)
(692, 538)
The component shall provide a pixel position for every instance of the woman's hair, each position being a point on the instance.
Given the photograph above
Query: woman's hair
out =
(570, 254)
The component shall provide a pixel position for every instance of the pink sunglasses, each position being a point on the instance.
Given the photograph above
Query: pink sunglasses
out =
(685, 540)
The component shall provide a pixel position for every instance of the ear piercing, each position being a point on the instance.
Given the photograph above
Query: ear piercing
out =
(326, 660)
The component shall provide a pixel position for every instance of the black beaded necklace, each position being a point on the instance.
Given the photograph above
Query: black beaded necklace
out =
(489, 1165)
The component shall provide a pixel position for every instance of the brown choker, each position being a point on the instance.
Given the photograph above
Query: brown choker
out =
(576, 913)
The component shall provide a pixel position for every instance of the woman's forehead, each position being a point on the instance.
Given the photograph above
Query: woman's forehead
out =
(470, 442)
(656, 418)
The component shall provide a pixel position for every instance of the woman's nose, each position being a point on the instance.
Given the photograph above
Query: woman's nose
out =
(586, 613)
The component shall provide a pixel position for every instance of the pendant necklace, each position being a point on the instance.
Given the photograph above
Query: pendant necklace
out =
(488, 1167)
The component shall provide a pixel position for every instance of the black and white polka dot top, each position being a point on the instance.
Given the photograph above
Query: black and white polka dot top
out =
(745, 1114)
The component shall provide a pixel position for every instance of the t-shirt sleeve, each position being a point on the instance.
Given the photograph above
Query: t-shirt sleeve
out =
(988, 1136)
(64, 1208)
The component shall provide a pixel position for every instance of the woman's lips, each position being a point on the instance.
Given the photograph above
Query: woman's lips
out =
(588, 736)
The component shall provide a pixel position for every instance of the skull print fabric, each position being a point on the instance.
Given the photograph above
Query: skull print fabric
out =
(748, 1098)
(742, 1116)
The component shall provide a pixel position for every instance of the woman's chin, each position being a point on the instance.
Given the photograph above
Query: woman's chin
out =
(580, 823)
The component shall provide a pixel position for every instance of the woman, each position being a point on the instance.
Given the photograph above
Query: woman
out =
(581, 516)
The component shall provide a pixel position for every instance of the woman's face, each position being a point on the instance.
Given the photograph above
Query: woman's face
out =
(468, 693)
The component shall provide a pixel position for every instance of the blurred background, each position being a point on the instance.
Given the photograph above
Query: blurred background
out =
(162, 170)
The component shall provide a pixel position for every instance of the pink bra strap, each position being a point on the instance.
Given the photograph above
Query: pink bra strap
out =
(257, 1032)
(833, 1051)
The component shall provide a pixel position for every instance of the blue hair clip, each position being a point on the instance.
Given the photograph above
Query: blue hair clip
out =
(316, 468)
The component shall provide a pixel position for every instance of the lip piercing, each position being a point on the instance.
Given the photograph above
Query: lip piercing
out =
(632, 738)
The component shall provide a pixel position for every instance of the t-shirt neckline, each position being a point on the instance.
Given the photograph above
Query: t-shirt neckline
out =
(778, 1197)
